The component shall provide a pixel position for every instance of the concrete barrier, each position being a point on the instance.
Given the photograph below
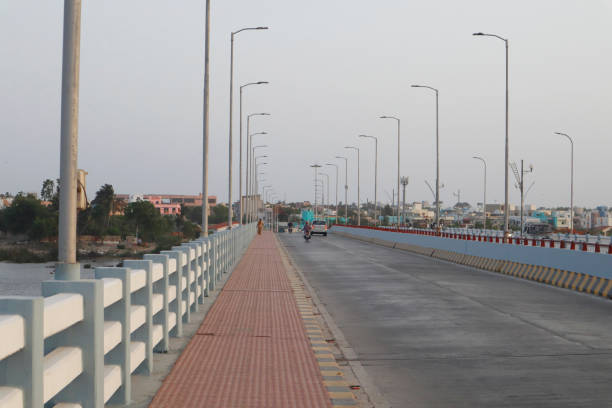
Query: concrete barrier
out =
(79, 344)
(583, 271)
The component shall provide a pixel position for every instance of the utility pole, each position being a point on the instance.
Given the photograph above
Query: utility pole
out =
(520, 179)
(458, 195)
(404, 182)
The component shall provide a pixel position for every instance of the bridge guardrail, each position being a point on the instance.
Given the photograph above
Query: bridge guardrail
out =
(79, 344)
(580, 270)
(576, 244)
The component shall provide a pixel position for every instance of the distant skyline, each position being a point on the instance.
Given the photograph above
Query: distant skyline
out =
(334, 68)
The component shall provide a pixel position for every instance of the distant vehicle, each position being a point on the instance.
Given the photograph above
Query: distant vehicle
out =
(319, 227)
(539, 229)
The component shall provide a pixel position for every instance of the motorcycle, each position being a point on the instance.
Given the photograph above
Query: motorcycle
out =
(307, 236)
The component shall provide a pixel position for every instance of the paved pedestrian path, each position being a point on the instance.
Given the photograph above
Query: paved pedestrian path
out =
(256, 347)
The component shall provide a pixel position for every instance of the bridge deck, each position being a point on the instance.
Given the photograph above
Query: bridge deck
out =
(252, 349)
(436, 334)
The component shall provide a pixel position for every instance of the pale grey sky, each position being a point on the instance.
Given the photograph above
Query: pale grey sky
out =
(334, 67)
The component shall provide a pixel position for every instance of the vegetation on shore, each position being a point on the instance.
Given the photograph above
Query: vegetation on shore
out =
(36, 220)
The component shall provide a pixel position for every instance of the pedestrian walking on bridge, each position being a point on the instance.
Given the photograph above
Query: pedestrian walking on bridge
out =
(260, 226)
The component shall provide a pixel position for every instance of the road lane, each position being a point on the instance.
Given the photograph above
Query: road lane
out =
(435, 334)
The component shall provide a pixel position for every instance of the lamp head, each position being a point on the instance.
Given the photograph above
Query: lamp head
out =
(478, 34)
(261, 28)
(262, 82)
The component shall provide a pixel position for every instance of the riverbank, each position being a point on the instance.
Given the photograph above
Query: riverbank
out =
(40, 252)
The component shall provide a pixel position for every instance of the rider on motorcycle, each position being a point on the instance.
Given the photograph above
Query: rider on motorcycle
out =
(307, 228)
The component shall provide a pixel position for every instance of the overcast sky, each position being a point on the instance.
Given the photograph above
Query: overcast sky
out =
(334, 67)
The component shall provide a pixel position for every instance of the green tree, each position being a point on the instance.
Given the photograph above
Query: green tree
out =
(48, 190)
(27, 215)
(102, 206)
(146, 221)
(387, 210)
(218, 214)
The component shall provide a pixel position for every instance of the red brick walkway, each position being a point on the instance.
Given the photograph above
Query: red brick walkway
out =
(252, 349)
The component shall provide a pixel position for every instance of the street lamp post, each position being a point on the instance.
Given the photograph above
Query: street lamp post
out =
(358, 185)
(249, 161)
(231, 117)
(345, 187)
(398, 158)
(484, 201)
(254, 190)
(571, 179)
(506, 163)
(327, 180)
(241, 145)
(67, 267)
(375, 175)
(206, 126)
(320, 183)
(336, 166)
(437, 155)
(315, 167)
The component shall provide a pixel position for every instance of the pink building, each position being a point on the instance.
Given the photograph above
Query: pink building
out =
(164, 205)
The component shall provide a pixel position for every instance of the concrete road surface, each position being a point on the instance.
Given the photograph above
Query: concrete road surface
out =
(435, 334)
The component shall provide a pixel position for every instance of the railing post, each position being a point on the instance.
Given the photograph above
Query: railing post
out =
(24, 369)
(176, 306)
(144, 297)
(206, 264)
(212, 262)
(161, 287)
(88, 335)
(120, 311)
(197, 266)
(186, 272)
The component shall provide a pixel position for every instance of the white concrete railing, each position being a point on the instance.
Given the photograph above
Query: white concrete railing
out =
(79, 344)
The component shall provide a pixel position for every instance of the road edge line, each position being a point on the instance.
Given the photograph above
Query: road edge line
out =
(366, 383)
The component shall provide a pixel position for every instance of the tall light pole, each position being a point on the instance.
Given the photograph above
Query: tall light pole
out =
(257, 179)
(506, 163)
(375, 174)
(320, 183)
(345, 187)
(250, 159)
(250, 136)
(571, 179)
(315, 167)
(437, 155)
(484, 201)
(206, 126)
(231, 117)
(242, 146)
(327, 179)
(67, 267)
(336, 166)
(254, 190)
(358, 185)
(398, 158)
(263, 200)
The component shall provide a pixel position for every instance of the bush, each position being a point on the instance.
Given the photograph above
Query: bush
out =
(165, 242)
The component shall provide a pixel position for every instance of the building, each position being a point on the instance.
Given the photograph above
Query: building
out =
(169, 204)
(164, 205)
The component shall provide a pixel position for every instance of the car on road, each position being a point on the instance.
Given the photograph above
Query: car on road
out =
(319, 227)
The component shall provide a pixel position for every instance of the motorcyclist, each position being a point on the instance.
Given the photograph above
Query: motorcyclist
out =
(307, 228)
